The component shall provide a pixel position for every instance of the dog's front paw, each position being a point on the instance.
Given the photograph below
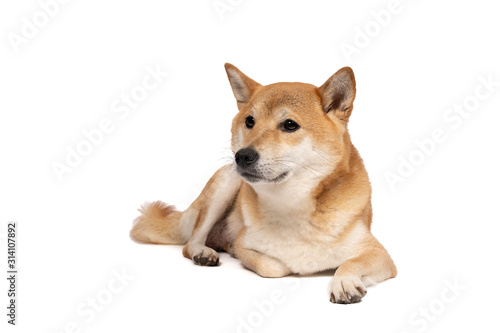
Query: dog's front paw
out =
(346, 289)
(206, 257)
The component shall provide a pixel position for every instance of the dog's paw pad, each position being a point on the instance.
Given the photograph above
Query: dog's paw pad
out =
(346, 290)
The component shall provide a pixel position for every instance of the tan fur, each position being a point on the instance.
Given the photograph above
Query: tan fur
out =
(159, 223)
(308, 210)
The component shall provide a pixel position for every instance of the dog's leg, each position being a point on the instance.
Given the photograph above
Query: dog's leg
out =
(214, 201)
(261, 264)
(372, 265)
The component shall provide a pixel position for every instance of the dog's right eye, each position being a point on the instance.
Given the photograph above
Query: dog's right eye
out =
(249, 122)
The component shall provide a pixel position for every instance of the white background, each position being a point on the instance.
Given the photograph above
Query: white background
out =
(440, 225)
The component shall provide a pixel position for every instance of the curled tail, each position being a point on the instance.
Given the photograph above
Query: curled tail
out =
(160, 223)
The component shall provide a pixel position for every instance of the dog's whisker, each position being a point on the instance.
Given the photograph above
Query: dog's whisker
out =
(308, 168)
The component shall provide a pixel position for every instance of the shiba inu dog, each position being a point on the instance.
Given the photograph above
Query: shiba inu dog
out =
(296, 199)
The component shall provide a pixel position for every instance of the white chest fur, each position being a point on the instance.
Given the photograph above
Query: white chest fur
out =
(285, 231)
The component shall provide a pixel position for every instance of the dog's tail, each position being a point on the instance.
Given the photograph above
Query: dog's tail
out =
(160, 223)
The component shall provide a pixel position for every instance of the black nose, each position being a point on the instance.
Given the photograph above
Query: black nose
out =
(246, 157)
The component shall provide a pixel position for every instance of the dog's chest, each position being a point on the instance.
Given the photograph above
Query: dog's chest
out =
(297, 242)
(284, 229)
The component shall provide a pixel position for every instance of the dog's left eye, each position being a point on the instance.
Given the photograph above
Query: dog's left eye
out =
(290, 126)
(249, 122)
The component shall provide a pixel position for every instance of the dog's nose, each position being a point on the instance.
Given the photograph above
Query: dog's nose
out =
(246, 157)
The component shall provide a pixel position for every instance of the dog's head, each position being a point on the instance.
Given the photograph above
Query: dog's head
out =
(287, 129)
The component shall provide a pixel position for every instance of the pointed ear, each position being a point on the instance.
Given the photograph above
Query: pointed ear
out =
(243, 86)
(337, 94)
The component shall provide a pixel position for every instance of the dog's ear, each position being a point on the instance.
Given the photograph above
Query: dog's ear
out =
(337, 94)
(243, 86)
